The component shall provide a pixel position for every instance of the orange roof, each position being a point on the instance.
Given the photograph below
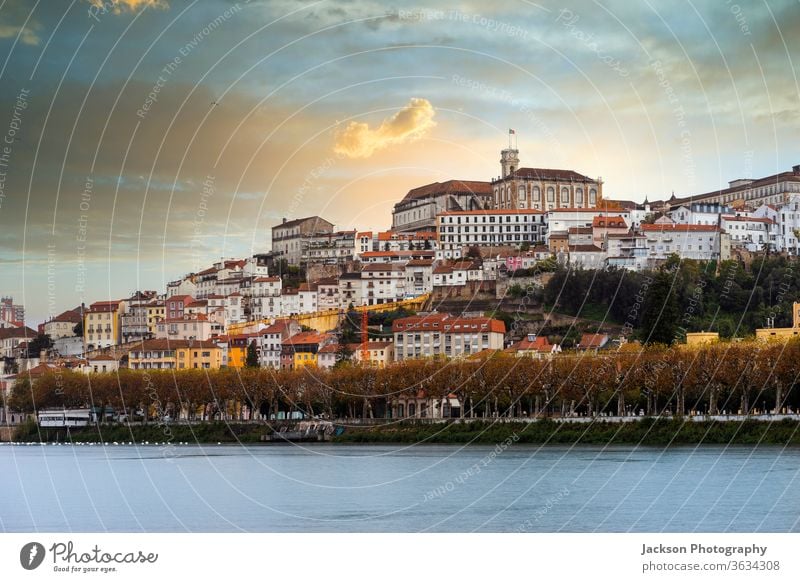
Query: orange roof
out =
(593, 340)
(448, 323)
(449, 187)
(539, 344)
(748, 219)
(609, 222)
(266, 279)
(306, 337)
(679, 227)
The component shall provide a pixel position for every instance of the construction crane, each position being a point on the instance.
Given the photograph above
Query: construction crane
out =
(364, 336)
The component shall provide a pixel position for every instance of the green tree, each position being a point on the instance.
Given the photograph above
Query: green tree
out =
(660, 315)
(39, 343)
(251, 360)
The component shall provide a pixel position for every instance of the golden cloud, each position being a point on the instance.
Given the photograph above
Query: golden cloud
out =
(358, 140)
(120, 6)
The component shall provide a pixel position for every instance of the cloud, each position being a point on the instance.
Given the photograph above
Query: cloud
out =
(358, 140)
(120, 6)
(13, 23)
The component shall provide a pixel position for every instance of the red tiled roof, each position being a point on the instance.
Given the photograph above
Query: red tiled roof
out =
(550, 174)
(448, 323)
(449, 187)
(539, 344)
(679, 227)
(266, 279)
(593, 340)
(609, 222)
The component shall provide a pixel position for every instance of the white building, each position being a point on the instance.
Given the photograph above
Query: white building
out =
(708, 214)
(419, 277)
(562, 219)
(751, 232)
(690, 241)
(438, 334)
(383, 283)
(490, 228)
(789, 226)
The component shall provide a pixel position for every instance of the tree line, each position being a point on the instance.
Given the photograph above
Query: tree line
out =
(682, 296)
(737, 378)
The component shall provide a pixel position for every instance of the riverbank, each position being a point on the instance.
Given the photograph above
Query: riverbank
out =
(646, 431)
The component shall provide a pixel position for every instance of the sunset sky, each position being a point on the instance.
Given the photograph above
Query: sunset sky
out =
(145, 139)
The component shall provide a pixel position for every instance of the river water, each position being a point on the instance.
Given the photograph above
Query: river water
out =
(398, 488)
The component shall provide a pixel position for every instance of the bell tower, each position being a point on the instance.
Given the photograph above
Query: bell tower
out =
(509, 161)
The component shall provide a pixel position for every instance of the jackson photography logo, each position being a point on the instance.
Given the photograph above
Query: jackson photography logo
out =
(31, 555)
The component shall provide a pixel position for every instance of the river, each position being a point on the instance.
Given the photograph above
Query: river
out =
(398, 488)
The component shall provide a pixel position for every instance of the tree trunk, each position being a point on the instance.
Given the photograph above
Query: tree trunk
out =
(778, 398)
(712, 401)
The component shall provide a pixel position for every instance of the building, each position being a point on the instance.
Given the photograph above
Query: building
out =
(379, 354)
(164, 354)
(593, 342)
(627, 251)
(779, 333)
(490, 228)
(382, 283)
(292, 237)
(328, 294)
(11, 313)
(350, 290)
(63, 324)
(300, 350)
(542, 188)
(99, 363)
(419, 277)
(751, 232)
(774, 189)
(788, 219)
(562, 219)
(603, 226)
(418, 209)
(331, 248)
(269, 342)
(12, 337)
(533, 346)
(438, 334)
(101, 324)
(690, 241)
(189, 327)
(134, 320)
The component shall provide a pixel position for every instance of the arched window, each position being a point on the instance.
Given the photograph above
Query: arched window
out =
(522, 193)
(551, 194)
(579, 196)
(412, 409)
(592, 196)
(564, 195)
(536, 194)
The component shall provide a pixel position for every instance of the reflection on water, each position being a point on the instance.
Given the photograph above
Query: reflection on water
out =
(346, 488)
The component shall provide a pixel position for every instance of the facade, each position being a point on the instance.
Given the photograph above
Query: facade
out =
(542, 188)
(489, 228)
(101, 324)
(300, 350)
(382, 283)
(562, 219)
(602, 226)
(436, 334)
(11, 313)
(99, 364)
(789, 226)
(350, 290)
(419, 277)
(163, 354)
(418, 209)
(12, 337)
(189, 327)
(775, 189)
(690, 241)
(292, 237)
(134, 321)
(751, 232)
(333, 248)
(269, 342)
(782, 333)
(63, 324)
(328, 294)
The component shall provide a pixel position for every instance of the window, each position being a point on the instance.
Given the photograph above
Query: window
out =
(522, 193)
(592, 196)
(551, 194)
(537, 195)
(564, 195)
(579, 196)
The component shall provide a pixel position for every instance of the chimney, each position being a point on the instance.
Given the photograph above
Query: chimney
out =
(796, 170)
(284, 221)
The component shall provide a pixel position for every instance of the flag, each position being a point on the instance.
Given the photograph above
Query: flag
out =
(511, 132)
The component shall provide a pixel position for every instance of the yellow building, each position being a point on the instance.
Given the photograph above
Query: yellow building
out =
(782, 333)
(237, 349)
(101, 324)
(155, 313)
(163, 354)
(303, 359)
(699, 338)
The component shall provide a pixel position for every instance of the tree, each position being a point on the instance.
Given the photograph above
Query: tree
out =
(251, 360)
(78, 329)
(525, 247)
(428, 244)
(39, 343)
(474, 252)
(660, 314)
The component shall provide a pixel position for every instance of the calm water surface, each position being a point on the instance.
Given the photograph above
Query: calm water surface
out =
(448, 488)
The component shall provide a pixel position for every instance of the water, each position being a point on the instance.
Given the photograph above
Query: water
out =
(346, 488)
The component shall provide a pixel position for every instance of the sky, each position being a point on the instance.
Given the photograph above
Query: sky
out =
(144, 139)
